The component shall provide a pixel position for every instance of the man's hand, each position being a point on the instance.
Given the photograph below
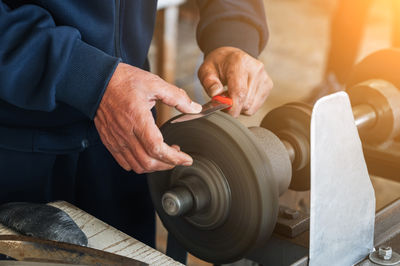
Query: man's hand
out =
(248, 83)
(126, 125)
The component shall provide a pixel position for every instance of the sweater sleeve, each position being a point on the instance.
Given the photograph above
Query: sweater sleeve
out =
(236, 23)
(42, 64)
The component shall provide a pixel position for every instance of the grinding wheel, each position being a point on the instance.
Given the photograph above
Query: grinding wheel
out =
(227, 155)
(291, 123)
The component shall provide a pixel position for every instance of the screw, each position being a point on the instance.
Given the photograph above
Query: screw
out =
(385, 252)
(290, 214)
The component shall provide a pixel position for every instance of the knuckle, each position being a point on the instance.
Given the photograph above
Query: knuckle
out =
(180, 94)
(148, 164)
(208, 79)
(241, 95)
(239, 55)
(183, 93)
(154, 147)
(246, 107)
(260, 66)
(244, 57)
(249, 112)
(155, 150)
(138, 170)
(204, 68)
(113, 149)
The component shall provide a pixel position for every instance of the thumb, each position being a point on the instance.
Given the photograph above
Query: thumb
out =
(178, 98)
(210, 80)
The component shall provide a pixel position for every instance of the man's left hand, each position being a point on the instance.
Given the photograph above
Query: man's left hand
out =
(248, 83)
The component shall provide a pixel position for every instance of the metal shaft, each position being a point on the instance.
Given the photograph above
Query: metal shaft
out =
(177, 201)
(189, 195)
(290, 149)
(364, 116)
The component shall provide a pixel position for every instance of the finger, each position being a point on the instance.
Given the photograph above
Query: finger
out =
(133, 163)
(137, 155)
(122, 162)
(210, 79)
(144, 164)
(256, 83)
(238, 90)
(262, 94)
(251, 94)
(178, 98)
(117, 156)
(176, 147)
(153, 143)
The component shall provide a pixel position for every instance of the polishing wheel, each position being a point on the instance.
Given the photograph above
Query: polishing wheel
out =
(226, 203)
(291, 123)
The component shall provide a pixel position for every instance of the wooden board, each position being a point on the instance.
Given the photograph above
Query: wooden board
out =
(105, 237)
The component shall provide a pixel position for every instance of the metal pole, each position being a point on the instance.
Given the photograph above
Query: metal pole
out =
(364, 116)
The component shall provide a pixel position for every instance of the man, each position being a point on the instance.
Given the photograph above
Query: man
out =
(75, 72)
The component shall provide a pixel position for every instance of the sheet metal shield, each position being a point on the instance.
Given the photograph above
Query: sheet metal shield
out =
(342, 211)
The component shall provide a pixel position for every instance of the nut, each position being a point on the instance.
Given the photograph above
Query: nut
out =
(385, 252)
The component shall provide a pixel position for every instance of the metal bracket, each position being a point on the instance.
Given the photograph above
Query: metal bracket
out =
(342, 212)
(291, 223)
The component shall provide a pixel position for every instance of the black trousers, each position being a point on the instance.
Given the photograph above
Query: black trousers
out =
(90, 179)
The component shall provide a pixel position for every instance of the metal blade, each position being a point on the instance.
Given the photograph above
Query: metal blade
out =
(24, 248)
(208, 108)
(342, 211)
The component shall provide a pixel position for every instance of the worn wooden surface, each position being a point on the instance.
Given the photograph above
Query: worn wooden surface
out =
(105, 237)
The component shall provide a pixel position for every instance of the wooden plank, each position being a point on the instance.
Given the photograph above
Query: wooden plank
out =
(105, 237)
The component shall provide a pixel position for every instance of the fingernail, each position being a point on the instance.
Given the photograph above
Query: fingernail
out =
(196, 107)
(188, 163)
(214, 89)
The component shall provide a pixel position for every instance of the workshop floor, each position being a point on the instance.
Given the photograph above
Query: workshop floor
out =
(294, 59)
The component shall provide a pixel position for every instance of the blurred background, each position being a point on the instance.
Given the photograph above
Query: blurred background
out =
(296, 57)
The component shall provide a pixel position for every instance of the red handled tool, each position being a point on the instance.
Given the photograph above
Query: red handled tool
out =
(218, 102)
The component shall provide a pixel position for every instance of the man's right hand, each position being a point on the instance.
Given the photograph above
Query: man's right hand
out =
(126, 125)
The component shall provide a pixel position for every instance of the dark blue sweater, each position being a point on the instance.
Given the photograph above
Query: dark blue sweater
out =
(57, 56)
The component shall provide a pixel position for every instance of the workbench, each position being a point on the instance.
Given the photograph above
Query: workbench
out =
(107, 238)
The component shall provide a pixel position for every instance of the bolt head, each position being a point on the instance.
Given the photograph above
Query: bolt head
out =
(385, 252)
(177, 201)
(171, 205)
(290, 214)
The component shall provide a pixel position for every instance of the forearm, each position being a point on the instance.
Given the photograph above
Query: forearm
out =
(240, 24)
(43, 63)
